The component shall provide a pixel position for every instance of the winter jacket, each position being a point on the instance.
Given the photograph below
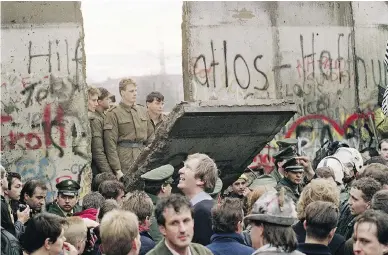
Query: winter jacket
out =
(229, 243)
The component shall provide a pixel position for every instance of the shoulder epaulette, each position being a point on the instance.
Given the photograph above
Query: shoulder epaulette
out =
(112, 108)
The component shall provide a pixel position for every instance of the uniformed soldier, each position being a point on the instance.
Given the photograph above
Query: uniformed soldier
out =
(127, 130)
(98, 103)
(155, 104)
(66, 203)
(292, 181)
(287, 150)
(157, 184)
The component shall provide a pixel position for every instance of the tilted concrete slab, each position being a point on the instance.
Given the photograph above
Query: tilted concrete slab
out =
(230, 133)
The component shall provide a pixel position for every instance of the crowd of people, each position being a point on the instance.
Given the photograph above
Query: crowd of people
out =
(338, 205)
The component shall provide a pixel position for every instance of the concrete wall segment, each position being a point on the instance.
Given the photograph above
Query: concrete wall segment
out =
(45, 130)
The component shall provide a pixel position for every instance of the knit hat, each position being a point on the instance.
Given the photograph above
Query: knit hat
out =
(274, 207)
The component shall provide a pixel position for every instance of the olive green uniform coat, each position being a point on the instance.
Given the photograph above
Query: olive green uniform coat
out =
(99, 160)
(125, 125)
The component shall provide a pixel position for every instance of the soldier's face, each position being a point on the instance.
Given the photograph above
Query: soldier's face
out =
(105, 103)
(156, 107)
(294, 177)
(66, 203)
(130, 93)
(92, 103)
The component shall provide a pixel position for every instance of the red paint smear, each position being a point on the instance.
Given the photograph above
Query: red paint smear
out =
(47, 124)
(341, 130)
(299, 121)
(62, 178)
(60, 115)
(6, 118)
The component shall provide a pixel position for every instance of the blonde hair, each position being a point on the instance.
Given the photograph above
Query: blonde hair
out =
(118, 229)
(317, 190)
(76, 230)
(93, 91)
(124, 83)
(206, 170)
(254, 195)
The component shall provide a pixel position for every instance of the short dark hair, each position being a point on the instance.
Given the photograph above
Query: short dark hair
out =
(104, 93)
(92, 200)
(381, 142)
(41, 227)
(368, 186)
(226, 215)
(380, 219)
(175, 201)
(30, 186)
(380, 201)
(11, 176)
(325, 172)
(107, 206)
(278, 235)
(100, 178)
(375, 159)
(321, 218)
(378, 172)
(111, 189)
(140, 204)
(155, 95)
(153, 187)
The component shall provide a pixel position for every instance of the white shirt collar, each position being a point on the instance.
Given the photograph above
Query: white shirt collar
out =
(173, 251)
(200, 197)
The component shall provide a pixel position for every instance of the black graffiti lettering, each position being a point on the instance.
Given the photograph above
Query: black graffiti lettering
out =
(324, 62)
(31, 56)
(213, 64)
(238, 56)
(339, 59)
(195, 68)
(226, 65)
(266, 84)
(41, 95)
(30, 90)
(360, 60)
(326, 134)
(379, 83)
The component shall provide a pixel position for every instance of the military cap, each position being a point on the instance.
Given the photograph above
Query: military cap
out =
(274, 207)
(68, 187)
(287, 153)
(217, 188)
(243, 177)
(263, 180)
(295, 169)
(286, 143)
(161, 173)
(290, 162)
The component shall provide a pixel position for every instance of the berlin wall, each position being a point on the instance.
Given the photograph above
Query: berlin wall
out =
(44, 123)
(326, 56)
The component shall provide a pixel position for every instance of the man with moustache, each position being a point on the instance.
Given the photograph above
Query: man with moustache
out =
(127, 130)
(175, 220)
(66, 204)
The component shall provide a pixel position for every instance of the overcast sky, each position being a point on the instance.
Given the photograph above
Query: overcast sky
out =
(125, 37)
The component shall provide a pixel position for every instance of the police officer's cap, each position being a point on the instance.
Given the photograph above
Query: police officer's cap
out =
(287, 153)
(217, 188)
(295, 169)
(290, 162)
(68, 187)
(159, 174)
(287, 142)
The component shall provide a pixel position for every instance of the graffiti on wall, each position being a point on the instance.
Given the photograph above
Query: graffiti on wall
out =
(44, 116)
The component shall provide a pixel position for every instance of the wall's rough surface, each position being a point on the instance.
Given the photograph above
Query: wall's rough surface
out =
(44, 123)
(327, 56)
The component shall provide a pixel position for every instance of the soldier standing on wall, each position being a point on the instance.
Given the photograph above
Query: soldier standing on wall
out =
(127, 129)
(98, 103)
(155, 104)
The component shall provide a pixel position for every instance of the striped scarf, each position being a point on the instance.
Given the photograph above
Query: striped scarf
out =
(384, 106)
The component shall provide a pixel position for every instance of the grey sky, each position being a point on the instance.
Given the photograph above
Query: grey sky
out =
(125, 37)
